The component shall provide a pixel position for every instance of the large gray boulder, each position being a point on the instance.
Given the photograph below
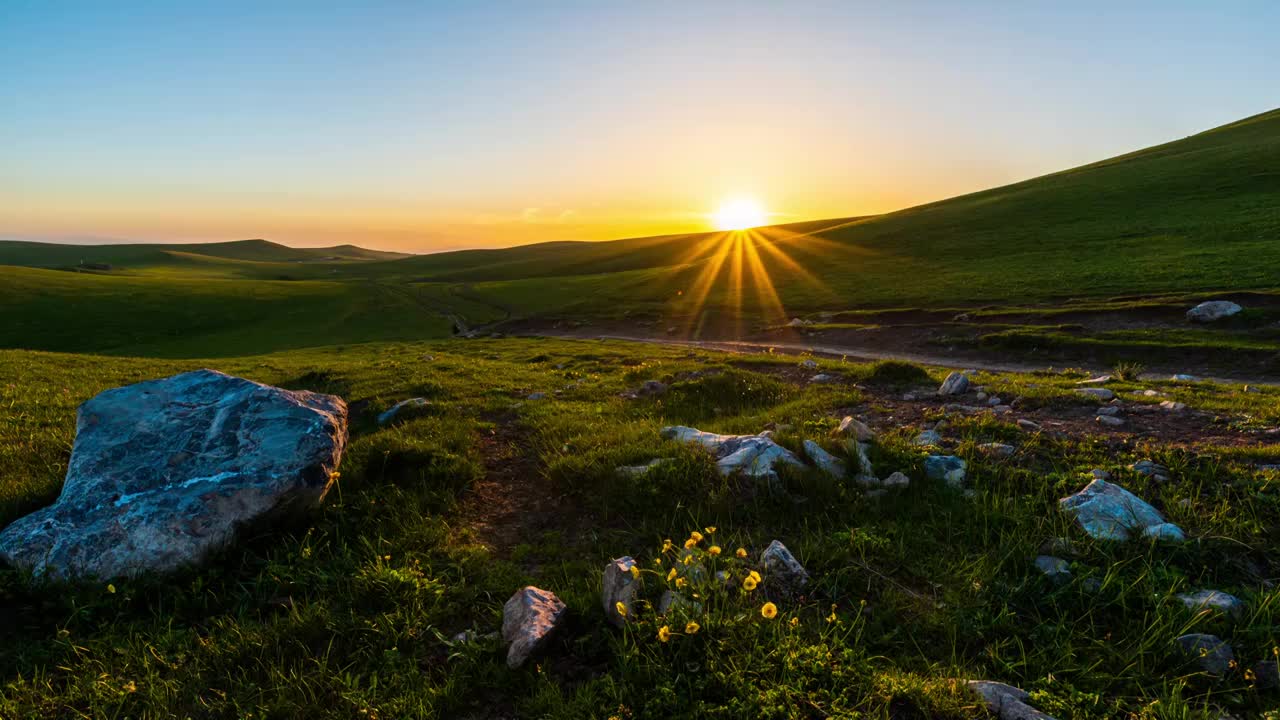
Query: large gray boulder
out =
(528, 620)
(750, 455)
(1213, 310)
(619, 585)
(1109, 512)
(1210, 652)
(955, 384)
(165, 472)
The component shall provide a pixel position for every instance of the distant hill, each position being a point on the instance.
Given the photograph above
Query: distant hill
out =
(136, 255)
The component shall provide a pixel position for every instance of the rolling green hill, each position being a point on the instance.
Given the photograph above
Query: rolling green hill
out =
(1201, 214)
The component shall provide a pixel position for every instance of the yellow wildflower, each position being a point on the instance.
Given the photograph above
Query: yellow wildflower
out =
(741, 553)
(681, 582)
(688, 560)
(710, 530)
(666, 546)
(111, 589)
(635, 571)
(690, 543)
(664, 633)
(754, 576)
(749, 584)
(795, 622)
(692, 628)
(695, 536)
(621, 607)
(769, 611)
(714, 550)
(671, 575)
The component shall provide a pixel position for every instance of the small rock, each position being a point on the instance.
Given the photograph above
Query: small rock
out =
(897, 480)
(1002, 409)
(928, 437)
(1054, 568)
(854, 429)
(982, 395)
(1210, 652)
(1164, 531)
(822, 378)
(809, 364)
(1252, 389)
(1212, 310)
(410, 404)
(528, 620)
(1182, 377)
(1099, 380)
(1155, 471)
(797, 322)
(1091, 585)
(1102, 394)
(1028, 425)
(999, 450)
(1107, 511)
(1100, 474)
(826, 462)
(955, 384)
(1109, 420)
(1110, 410)
(1213, 600)
(994, 401)
(865, 471)
(536, 396)
(1006, 701)
(1057, 546)
(619, 586)
(1173, 406)
(652, 387)
(781, 567)
(945, 467)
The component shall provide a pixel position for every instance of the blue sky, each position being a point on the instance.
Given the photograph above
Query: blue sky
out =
(432, 125)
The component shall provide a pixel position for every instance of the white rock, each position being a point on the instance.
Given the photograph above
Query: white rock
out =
(1212, 600)
(809, 364)
(1006, 701)
(781, 567)
(1107, 511)
(1173, 406)
(1054, 568)
(1099, 380)
(528, 620)
(897, 480)
(826, 462)
(410, 404)
(1213, 310)
(750, 455)
(1102, 394)
(619, 586)
(854, 429)
(823, 378)
(1028, 425)
(955, 384)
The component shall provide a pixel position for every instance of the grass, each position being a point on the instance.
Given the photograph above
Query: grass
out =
(352, 614)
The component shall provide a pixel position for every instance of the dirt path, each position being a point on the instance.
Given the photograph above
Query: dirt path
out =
(868, 354)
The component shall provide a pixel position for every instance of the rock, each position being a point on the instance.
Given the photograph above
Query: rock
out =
(165, 472)
(1054, 568)
(854, 429)
(1109, 420)
(781, 569)
(1002, 409)
(955, 384)
(1057, 546)
(1107, 511)
(1028, 425)
(1172, 406)
(412, 404)
(994, 449)
(797, 322)
(1153, 470)
(1184, 378)
(1148, 393)
(536, 396)
(1252, 389)
(1102, 394)
(750, 455)
(1099, 380)
(1213, 600)
(1091, 585)
(981, 395)
(1110, 410)
(651, 387)
(866, 473)
(528, 619)
(1006, 701)
(945, 467)
(809, 364)
(1210, 652)
(822, 378)
(672, 600)
(994, 401)
(641, 470)
(897, 480)
(1212, 310)
(619, 586)
(1100, 474)
(928, 437)
(826, 462)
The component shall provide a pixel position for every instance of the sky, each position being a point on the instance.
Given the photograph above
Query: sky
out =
(425, 126)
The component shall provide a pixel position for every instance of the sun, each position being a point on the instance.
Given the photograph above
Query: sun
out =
(739, 214)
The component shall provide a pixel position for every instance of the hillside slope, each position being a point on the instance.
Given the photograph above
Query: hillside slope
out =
(136, 256)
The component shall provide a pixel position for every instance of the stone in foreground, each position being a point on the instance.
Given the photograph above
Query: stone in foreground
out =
(751, 455)
(781, 569)
(1109, 512)
(854, 429)
(163, 473)
(1213, 600)
(945, 467)
(955, 384)
(1210, 652)
(620, 585)
(1102, 394)
(1006, 701)
(826, 462)
(1212, 311)
(528, 620)
(1054, 568)
(404, 406)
